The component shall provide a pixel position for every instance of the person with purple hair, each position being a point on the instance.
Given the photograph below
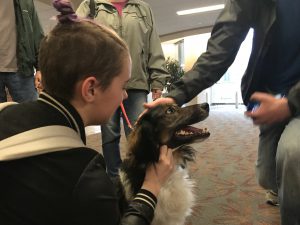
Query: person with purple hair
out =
(48, 175)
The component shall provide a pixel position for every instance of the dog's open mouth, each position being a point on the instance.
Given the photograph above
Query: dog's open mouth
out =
(188, 135)
(189, 132)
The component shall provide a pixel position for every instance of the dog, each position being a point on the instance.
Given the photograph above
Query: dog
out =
(169, 125)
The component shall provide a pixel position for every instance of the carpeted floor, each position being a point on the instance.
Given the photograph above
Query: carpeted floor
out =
(227, 191)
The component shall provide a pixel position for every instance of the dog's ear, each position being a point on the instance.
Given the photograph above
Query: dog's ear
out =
(143, 143)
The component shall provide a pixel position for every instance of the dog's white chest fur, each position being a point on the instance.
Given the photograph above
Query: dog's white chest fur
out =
(175, 200)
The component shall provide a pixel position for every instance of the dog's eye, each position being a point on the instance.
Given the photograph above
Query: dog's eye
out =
(170, 110)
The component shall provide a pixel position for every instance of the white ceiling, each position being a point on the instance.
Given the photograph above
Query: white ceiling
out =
(169, 24)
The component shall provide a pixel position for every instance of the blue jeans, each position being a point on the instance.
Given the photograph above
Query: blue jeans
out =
(266, 160)
(288, 173)
(111, 132)
(20, 88)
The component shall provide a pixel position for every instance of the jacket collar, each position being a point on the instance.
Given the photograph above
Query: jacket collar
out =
(67, 110)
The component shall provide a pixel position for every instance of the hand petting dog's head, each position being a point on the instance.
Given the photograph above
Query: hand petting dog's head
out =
(166, 124)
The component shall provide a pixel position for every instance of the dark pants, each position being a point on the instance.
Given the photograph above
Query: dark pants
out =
(20, 88)
(111, 132)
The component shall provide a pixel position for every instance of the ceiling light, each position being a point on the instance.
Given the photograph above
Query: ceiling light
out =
(199, 10)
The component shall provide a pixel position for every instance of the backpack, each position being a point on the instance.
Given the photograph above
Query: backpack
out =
(38, 141)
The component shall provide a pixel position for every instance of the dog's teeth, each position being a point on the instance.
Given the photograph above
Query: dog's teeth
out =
(182, 132)
(191, 132)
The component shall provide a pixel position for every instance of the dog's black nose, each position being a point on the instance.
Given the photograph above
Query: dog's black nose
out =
(205, 106)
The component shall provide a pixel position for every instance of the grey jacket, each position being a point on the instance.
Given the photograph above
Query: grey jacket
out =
(137, 27)
(227, 35)
(29, 35)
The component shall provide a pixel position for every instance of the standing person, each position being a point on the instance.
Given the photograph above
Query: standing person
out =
(273, 68)
(48, 175)
(20, 38)
(133, 21)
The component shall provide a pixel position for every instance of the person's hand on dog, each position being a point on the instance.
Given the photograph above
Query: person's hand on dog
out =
(158, 173)
(270, 110)
(158, 101)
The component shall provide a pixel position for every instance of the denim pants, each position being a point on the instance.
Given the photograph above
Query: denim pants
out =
(266, 160)
(288, 173)
(111, 132)
(20, 88)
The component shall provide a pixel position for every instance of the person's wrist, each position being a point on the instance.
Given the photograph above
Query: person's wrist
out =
(171, 100)
(153, 187)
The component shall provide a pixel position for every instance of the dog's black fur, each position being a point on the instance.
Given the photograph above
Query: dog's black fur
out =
(161, 126)
(158, 127)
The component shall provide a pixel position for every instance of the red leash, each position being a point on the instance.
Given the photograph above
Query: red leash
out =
(125, 115)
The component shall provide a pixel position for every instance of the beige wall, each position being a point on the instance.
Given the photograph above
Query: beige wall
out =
(193, 47)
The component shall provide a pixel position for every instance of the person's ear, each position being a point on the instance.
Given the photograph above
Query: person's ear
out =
(88, 88)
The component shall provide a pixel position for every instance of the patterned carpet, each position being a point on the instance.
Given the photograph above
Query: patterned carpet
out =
(227, 191)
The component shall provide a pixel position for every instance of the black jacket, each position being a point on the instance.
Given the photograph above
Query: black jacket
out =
(64, 187)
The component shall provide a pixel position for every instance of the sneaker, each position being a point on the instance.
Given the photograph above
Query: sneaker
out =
(272, 198)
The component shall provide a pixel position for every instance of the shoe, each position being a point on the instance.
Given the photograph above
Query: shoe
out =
(272, 198)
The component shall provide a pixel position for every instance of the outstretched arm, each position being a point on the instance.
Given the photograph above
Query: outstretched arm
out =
(229, 31)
